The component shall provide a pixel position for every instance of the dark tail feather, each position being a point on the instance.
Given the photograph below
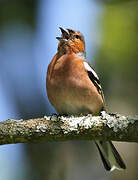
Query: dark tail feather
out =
(109, 155)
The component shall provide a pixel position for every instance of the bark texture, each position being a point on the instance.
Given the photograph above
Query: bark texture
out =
(112, 127)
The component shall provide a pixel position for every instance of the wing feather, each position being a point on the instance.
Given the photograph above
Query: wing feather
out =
(94, 78)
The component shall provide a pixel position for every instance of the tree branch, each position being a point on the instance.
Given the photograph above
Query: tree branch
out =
(59, 128)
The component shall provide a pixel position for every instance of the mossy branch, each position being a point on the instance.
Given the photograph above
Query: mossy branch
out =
(59, 128)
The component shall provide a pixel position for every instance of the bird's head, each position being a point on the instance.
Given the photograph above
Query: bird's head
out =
(71, 41)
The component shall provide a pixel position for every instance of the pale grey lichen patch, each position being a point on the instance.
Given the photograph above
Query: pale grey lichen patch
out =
(90, 121)
(117, 122)
(77, 123)
(41, 128)
(47, 118)
(72, 121)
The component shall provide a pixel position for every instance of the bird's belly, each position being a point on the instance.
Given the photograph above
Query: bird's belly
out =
(67, 98)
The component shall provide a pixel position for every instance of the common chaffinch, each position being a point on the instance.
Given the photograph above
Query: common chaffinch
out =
(73, 88)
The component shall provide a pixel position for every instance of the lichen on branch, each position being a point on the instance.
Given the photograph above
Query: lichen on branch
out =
(113, 127)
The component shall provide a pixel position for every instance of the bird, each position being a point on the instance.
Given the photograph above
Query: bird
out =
(73, 88)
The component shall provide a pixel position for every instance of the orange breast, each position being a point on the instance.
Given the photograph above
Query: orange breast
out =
(69, 88)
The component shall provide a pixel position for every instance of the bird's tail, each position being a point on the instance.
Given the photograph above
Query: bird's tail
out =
(109, 155)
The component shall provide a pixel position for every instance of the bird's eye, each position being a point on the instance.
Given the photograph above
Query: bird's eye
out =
(77, 37)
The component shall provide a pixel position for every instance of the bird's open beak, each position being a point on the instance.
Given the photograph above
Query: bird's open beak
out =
(65, 35)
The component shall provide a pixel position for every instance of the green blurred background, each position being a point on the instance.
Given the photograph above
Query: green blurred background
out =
(27, 44)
